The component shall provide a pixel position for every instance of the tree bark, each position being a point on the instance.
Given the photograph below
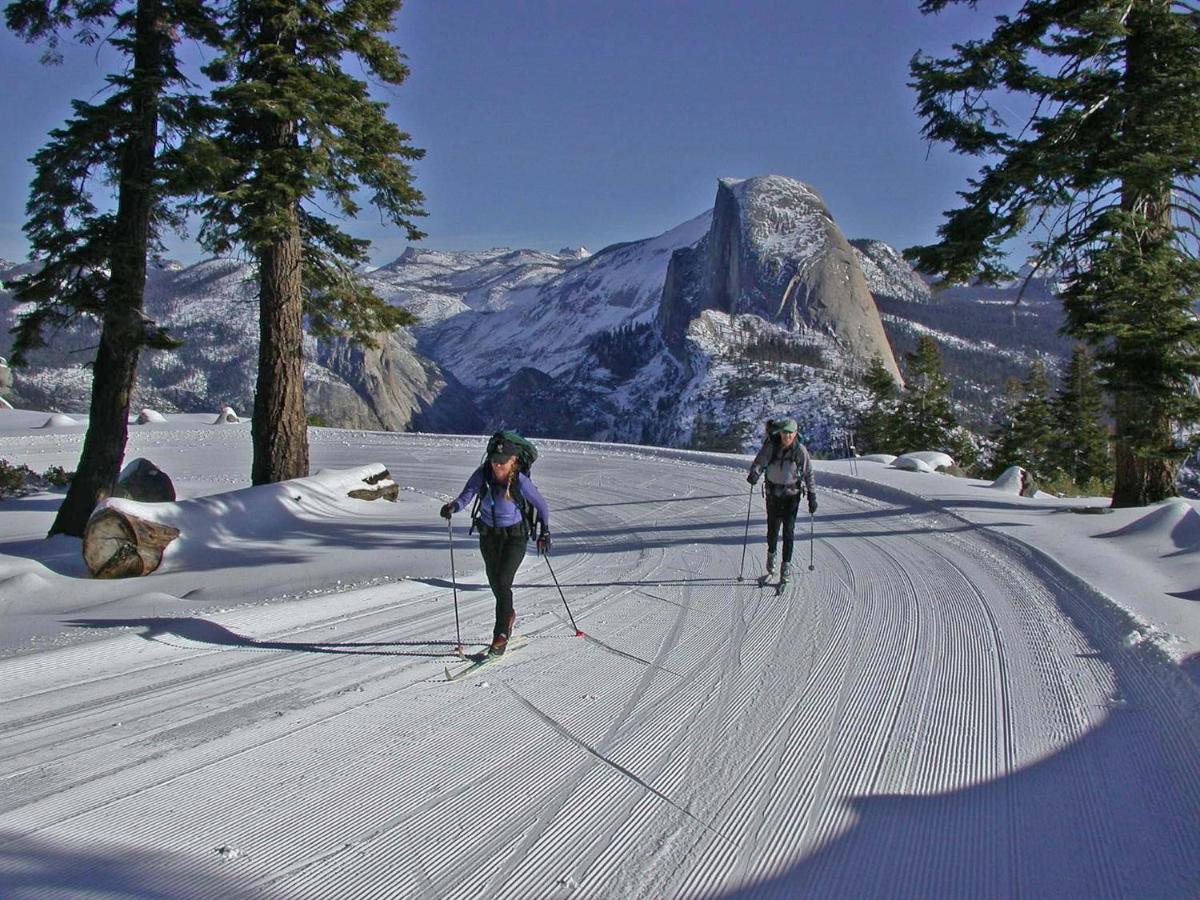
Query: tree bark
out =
(122, 329)
(1141, 478)
(117, 544)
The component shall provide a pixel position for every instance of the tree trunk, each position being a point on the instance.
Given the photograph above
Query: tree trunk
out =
(1141, 478)
(279, 428)
(120, 545)
(122, 328)
(1144, 472)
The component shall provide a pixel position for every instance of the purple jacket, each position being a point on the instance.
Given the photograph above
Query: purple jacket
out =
(495, 510)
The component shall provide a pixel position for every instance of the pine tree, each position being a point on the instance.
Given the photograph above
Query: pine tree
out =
(875, 427)
(925, 418)
(1080, 448)
(91, 262)
(295, 134)
(1027, 431)
(1102, 170)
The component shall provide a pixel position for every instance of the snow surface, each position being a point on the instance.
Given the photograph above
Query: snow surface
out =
(970, 694)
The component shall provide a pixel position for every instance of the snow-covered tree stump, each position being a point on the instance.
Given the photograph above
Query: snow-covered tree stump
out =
(117, 544)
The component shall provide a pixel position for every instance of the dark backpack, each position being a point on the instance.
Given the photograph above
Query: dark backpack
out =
(526, 453)
(513, 443)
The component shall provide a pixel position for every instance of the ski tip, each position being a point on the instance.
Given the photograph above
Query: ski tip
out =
(579, 633)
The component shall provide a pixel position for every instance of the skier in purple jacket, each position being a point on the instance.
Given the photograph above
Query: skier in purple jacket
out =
(503, 529)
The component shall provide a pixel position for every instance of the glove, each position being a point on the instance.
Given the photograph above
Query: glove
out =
(543, 543)
(752, 478)
(447, 510)
(812, 503)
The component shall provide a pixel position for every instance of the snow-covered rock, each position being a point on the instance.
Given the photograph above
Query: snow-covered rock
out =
(934, 458)
(150, 416)
(910, 463)
(59, 420)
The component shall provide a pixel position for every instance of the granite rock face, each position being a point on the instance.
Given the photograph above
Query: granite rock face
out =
(388, 387)
(774, 251)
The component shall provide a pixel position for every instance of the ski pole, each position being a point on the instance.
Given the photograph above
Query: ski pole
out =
(578, 633)
(459, 649)
(811, 527)
(746, 536)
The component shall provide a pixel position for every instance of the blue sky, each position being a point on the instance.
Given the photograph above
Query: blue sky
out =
(579, 122)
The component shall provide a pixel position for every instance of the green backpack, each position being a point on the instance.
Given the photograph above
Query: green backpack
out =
(512, 443)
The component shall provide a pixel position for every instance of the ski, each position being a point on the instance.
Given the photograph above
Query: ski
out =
(781, 587)
(478, 661)
(764, 580)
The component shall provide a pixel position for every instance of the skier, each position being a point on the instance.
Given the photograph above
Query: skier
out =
(504, 528)
(789, 473)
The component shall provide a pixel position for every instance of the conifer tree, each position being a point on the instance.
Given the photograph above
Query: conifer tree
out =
(295, 135)
(92, 259)
(875, 427)
(1004, 435)
(1102, 172)
(1026, 435)
(925, 418)
(1081, 444)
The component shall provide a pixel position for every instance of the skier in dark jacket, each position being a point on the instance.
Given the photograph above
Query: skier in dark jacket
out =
(788, 467)
(503, 531)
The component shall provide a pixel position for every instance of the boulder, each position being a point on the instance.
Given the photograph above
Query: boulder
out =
(142, 480)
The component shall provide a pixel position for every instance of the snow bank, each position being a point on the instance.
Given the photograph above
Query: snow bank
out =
(932, 458)
(222, 523)
(886, 458)
(58, 420)
(910, 463)
(1173, 523)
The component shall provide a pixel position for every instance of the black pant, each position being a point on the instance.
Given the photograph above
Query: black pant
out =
(782, 511)
(502, 549)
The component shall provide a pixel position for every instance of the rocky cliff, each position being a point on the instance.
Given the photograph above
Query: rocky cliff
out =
(774, 251)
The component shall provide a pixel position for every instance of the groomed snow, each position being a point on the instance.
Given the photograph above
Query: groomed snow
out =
(970, 693)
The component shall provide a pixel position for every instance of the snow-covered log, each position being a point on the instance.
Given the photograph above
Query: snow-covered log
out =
(117, 544)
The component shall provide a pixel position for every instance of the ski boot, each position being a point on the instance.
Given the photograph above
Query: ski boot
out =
(785, 572)
(766, 576)
(500, 637)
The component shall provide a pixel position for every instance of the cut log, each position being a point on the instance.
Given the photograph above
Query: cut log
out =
(117, 544)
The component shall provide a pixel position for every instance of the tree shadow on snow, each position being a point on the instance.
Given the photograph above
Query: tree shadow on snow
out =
(653, 502)
(203, 631)
(65, 867)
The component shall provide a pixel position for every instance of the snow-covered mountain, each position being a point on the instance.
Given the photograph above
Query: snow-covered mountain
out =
(757, 307)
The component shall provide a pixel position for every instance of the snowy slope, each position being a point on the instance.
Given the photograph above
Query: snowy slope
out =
(950, 703)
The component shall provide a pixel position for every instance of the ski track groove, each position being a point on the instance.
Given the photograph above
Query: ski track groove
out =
(929, 665)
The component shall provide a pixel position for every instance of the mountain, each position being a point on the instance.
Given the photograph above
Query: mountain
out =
(757, 307)
(212, 306)
(987, 335)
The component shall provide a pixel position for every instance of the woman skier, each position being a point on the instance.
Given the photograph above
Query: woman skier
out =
(789, 473)
(506, 494)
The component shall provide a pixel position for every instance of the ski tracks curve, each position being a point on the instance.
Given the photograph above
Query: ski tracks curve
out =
(933, 711)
